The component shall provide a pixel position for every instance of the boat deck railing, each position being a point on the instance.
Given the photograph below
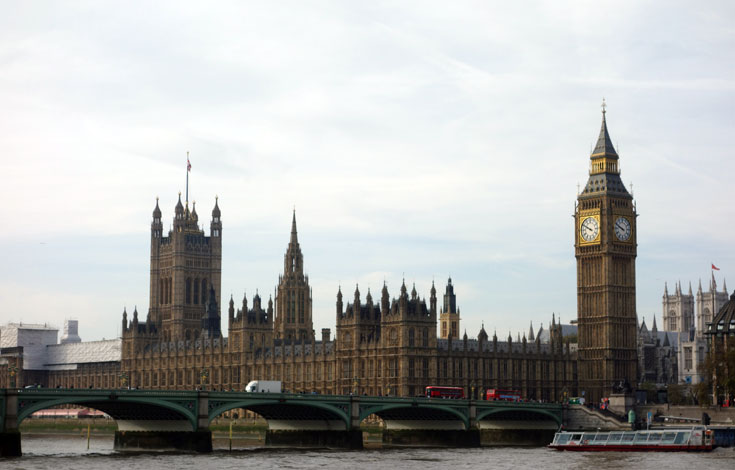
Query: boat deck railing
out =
(677, 437)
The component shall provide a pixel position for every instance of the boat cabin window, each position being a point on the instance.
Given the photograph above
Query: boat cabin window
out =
(641, 437)
(600, 438)
(681, 437)
(576, 437)
(562, 438)
(654, 437)
(615, 437)
(668, 437)
(628, 437)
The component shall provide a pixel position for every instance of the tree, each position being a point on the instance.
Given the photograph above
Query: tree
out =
(719, 370)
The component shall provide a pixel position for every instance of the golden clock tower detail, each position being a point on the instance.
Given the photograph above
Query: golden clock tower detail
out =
(605, 248)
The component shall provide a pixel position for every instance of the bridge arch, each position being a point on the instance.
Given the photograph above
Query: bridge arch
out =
(283, 408)
(120, 408)
(413, 408)
(520, 411)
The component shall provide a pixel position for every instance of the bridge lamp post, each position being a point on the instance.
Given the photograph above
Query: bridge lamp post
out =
(472, 390)
(355, 385)
(12, 370)
(123, 379)
(204, 376)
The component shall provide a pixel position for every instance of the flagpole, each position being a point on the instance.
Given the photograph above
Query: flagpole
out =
(187, 177)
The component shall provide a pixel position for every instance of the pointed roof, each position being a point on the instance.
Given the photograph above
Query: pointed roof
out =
(179, 207)
(294, 235)
(530, 333)
(157, 210)
(216, 211)
(604, 144)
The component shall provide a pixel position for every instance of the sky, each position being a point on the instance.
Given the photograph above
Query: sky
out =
(415, 140)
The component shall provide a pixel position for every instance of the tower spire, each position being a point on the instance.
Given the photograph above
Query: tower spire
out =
(604, 146)
(294, 235)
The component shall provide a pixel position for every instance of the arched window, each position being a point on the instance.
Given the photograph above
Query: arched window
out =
(425, 338)
(204, 291)
(196, 291)
(411, 338)
(188, 290)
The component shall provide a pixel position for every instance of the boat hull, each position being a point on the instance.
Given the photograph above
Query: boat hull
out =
(632, 448)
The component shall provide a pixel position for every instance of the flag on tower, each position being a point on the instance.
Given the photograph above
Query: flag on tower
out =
(715, 267)
(188, 166)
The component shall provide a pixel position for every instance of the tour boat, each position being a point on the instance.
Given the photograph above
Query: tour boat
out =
(697, 438)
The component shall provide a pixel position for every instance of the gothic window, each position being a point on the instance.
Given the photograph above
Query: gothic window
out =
(444, 329)
(188, 290)
(410, 338)
(196, 291)
(393, 368)
(411, 371)
(251, 342)
(445, 368)
(204, 291)
(454, 329)
(425, 368)
(688, 357)
(672, 321)
(346, 369)
(301, 307)
(425, 338)
(347, 339)
(188, 335)
(393, 336)
(370, 368)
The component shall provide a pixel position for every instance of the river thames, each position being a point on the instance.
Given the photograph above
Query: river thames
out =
(59, 452)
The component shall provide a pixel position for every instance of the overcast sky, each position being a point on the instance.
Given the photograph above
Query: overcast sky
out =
(416, 139)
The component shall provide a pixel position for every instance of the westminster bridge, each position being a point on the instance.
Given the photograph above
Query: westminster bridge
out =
(148, 419)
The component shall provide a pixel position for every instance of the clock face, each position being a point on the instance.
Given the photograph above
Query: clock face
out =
(622, 229)
(589, 229)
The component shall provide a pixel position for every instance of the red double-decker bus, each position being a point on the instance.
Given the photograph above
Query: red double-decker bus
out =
(444, 392)
(495, 394)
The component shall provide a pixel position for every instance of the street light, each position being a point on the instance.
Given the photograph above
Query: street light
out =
(204, 376)
(12, 370)
(123, 379)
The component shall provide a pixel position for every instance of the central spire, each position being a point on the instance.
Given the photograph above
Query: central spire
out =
(294, 236)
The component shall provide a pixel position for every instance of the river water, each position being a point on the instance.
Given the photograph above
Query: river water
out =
(59, 452)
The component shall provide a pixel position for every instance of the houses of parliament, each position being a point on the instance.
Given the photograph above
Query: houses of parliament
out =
(395, 343)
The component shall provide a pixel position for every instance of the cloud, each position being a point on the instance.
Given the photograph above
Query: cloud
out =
(424, 139)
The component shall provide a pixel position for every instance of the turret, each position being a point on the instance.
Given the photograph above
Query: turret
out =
(124, 320)
(215, 227)
(339, 303)
(156, 225)
(179, 215)
(385, 300)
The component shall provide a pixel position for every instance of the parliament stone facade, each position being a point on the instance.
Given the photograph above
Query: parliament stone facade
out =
(395, 343)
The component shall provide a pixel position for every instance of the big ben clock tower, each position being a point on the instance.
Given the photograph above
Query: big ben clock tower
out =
(605, 248)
